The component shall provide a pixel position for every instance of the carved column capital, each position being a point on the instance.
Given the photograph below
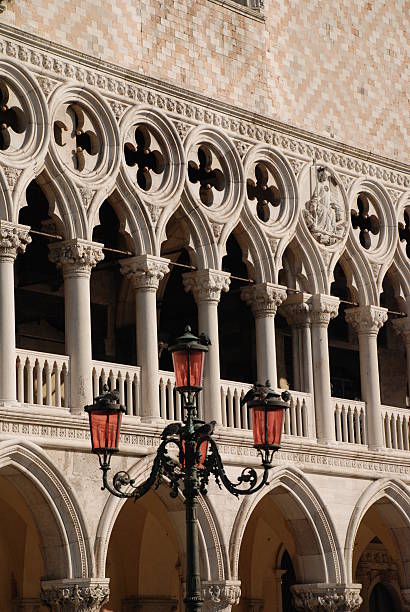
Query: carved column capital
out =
(207, 285)
(296, 310)
(220, 595)
(76, 257)
(366, 319)
(145, 271)
(402, 328)
(13, 239)
(323, 308)
(264, 298)
(327, 597)
(75, 595)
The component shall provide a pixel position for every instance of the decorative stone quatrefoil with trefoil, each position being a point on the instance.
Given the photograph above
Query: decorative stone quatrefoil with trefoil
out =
(404, 232)
(364, 222)
(12, 119)
(141, 153)
(209, 178)
(75, 134)
(265, 195)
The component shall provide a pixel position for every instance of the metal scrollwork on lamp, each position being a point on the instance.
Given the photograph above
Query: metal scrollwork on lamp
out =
(187, 454)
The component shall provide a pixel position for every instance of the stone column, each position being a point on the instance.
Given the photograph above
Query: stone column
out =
(75, 595)
(366, 321)
(13, 239)
(220, 596)
(326, 597)
(145, 273)
(322, 309)
(402, 327)
(76, 258)
(206, 285)
(264, 300)
(297, 312)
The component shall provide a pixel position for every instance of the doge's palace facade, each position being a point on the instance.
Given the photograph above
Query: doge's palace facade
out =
(242, 168)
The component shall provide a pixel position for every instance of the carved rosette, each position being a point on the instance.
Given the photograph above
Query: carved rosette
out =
(323, 308)
(220, 596)
(326, 598)
(264, 298)
(75, 595)
(207, 285)
(145, 271)
(76, 257)
(13, 239)
(366, 319)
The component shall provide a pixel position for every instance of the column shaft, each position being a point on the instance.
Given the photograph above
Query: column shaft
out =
(13, 238)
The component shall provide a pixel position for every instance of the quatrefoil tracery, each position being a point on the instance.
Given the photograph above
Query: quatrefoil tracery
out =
(365, 222)
(207, 177)
(141, 155)
(11, 118)
(404, 232)
(264, 194)
(79, 141)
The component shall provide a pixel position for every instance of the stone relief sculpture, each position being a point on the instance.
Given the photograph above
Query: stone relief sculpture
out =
(324, 213)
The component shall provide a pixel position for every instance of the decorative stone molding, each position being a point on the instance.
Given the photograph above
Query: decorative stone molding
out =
(86, 196)
(206, 285)
(323, 308)
(326, 597)
(220, 596)
(76, 256)
(13, 239)
(296, 310)
(75, 595)
(366, 319)
(12, 175)
(145, 271)
(264, 298)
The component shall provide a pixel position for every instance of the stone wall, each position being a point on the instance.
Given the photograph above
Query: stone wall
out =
(334, 69)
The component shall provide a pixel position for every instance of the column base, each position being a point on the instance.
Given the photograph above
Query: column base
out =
(76, 594)
(324, 597)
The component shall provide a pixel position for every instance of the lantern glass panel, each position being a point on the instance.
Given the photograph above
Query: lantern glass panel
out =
(267, 433)
(105, 427)
(203, 451)
(196, 364)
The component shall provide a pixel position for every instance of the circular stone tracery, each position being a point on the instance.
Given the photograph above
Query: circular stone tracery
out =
(264, 189)
(143, 151)
(208, 174)
(366, 223)
(13, 120)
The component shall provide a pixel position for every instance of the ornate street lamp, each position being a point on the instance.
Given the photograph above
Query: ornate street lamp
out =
(198, 455)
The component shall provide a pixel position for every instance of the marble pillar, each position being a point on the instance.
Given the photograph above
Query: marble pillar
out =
(13, 239)
(145, 273)
(76, 258)
(264, 300)
(207, 285)
(296, 310)
(366, 321)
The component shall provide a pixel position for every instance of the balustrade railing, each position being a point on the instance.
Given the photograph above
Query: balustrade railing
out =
(298, 421)
(396, 427)
(169, 400)
(122, 377)
(42, 379)
(350, 421)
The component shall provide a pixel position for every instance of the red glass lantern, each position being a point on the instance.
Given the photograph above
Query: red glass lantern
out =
(105, 424)
(202, 451)
(267, 422)
(188, 359)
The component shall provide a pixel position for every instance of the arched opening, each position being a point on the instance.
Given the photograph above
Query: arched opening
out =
(344, 356)
(21, 559)
(391, 347)
(112, 298)
(39, 286)
(235, 321)
(381, 556)
(143, 561)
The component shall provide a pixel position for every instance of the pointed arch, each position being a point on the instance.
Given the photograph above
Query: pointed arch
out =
(320, 556)
(61, 526)
(396, 514)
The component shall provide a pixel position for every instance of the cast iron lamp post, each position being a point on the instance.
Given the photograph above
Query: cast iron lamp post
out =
(198, 455)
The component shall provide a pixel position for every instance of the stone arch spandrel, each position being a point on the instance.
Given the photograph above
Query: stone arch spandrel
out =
(61, 526)
(394, 496)
(6, 198)
(320, 558)
(215, 561)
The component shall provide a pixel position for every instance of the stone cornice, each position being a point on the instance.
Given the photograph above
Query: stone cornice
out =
(56, 429)
(127, 84)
